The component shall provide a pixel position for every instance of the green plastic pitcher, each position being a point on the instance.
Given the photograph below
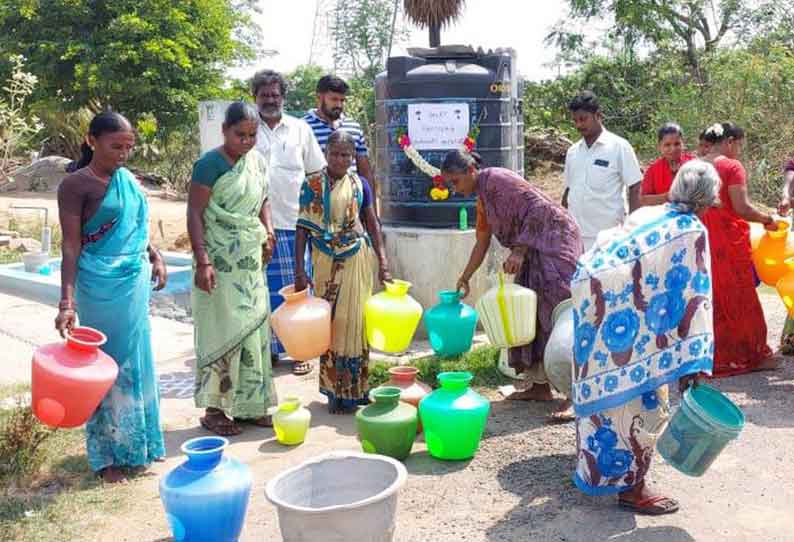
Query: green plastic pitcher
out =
(454, 417)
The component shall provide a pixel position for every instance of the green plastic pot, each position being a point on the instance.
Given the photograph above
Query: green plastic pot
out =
(454, 417)
(388, 426)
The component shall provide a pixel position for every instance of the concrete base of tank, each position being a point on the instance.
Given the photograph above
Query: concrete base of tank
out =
(433, 259)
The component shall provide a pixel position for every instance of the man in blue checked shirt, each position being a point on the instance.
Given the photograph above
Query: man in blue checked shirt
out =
(329, 117)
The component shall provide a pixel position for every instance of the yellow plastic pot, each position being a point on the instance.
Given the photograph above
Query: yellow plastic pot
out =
(785, 287)
(291, 421)
(392, 317)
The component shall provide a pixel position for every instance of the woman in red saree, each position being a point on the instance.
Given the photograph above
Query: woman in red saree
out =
(739, 325)
(659, 176)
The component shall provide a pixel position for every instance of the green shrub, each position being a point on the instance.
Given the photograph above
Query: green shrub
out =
(169, 156)
(22, 439)
(751, 86)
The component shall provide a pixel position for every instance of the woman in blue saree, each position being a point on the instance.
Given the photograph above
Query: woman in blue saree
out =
(643, 319)
(106, 277)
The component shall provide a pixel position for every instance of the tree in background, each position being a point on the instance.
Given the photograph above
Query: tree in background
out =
(693, 27)
(16, 126)
(750, 81)
(138, 56)
(302, 82)
(433, 15)
(362, 32)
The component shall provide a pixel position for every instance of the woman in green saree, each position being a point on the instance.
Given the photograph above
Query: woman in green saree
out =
(231, 234)
(333, 204)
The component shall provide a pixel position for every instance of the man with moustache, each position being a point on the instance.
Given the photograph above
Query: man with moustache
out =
(329, 117)
(598, 169)
(293, 153)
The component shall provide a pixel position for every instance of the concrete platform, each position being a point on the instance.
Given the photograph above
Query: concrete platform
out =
(432, 260)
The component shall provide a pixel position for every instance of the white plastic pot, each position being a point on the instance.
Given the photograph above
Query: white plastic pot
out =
(338, 497)
(508, 313)
(558, 356)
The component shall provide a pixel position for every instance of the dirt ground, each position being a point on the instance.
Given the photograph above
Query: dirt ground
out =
(518, 487)
(166, 222)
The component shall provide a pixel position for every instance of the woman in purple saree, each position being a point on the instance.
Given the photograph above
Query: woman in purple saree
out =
(544, 243)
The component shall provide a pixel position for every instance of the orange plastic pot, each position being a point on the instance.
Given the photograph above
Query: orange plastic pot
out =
(412, 390)
(302, 324)
(69, 379)
(770, 255)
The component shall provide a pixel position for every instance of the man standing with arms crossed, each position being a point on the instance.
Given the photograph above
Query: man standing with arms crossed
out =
(597, 170)
(293, 153)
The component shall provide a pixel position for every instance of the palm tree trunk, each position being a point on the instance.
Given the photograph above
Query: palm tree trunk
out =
(435, 35)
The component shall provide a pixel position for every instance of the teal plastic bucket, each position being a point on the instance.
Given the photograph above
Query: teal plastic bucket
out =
(704, 424)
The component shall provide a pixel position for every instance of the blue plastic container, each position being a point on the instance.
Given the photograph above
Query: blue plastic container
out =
(206, 497)
(450, 325)
(704, 424)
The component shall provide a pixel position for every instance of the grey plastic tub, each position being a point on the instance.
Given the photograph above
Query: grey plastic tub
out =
(338, 497)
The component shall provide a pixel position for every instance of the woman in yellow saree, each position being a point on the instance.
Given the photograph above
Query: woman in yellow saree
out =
(333, 205)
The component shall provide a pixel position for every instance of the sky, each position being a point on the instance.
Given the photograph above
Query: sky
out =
(520, 24)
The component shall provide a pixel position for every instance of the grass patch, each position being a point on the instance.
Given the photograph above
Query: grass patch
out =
(13, 390)
(47, 489)
(9, 256)
(481, 363)
(30, 229)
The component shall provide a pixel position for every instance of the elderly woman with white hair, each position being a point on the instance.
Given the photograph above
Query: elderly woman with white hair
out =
(643, 319)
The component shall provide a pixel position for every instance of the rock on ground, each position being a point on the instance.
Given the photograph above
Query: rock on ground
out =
(24, 244)
(547, 145)
(43, 175)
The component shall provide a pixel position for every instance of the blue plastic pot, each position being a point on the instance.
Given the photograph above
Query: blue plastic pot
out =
(450, 325)
(206, 497)
(704, 424)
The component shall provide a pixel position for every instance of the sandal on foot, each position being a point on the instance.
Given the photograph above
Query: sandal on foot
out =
(652, 506)
(302, 368)
(220, 425)
(264, 421)
(772, 363)
(531, 394)
(113, 475)
(561, 416)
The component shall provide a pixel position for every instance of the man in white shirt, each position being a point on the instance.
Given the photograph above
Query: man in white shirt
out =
(293, 153)
(598, 170)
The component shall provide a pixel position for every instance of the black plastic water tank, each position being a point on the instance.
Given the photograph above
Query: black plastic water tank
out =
(487, 82)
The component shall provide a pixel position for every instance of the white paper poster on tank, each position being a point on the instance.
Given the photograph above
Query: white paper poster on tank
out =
(438, 125)
(211, 114)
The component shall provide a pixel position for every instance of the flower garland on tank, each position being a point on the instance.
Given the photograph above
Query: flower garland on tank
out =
(439, 192)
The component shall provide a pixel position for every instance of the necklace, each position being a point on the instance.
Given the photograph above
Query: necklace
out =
(95, 174)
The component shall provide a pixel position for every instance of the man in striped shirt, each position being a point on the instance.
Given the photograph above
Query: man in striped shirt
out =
(329, 117)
